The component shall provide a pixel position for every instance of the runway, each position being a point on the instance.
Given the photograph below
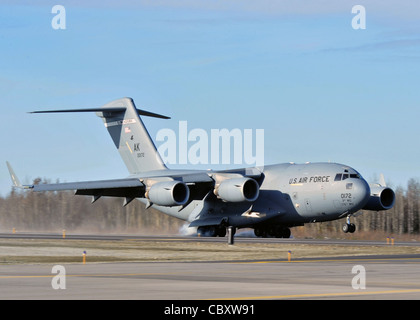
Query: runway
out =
(386, 278)
(393, 276)
(180, 238)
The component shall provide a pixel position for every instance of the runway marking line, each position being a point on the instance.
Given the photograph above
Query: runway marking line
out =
(328, 260)
(90, 275)
(317, 295)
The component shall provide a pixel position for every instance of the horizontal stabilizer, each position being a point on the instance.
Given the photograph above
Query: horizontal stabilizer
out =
(111, 110)
(80, 110)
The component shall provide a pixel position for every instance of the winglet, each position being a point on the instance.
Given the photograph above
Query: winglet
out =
(15, 179)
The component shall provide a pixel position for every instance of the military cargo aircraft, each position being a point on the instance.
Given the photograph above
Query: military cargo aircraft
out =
(269, 199)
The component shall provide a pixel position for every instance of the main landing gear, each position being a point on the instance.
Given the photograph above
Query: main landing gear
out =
(229, 231)
(272, 232)
(218, 231)
(349, 227)
(211, 231)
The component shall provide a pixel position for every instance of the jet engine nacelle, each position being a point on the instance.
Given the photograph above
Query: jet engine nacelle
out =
(168, 193)
(238, 190)
(381, 198)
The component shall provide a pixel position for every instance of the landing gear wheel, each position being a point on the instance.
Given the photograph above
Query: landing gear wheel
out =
(346, 228)
(283, 233)
(260, 232)
(349, 228)
(287, 233)
(221, 232)
(276, 232)
(211, 231)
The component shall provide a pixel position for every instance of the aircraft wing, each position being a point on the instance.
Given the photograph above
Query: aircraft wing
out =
(129, 188)
(89, 185)
(166, 188)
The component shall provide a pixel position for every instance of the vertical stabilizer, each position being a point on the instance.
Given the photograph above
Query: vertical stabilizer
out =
(122, 120)
(131, 138)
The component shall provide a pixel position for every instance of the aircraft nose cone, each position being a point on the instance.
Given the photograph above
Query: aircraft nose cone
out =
(361, 193)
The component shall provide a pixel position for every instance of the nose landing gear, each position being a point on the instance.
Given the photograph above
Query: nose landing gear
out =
(349, 227)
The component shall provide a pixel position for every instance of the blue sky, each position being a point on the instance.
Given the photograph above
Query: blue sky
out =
(321, 90)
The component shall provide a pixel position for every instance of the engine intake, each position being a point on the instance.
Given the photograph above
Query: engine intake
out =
(168, 193)
(381, 198)
(238, 190)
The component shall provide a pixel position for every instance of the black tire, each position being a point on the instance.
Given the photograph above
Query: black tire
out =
(346, 228)
(287, 233)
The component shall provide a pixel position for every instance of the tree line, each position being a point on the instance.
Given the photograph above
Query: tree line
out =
(54, 211)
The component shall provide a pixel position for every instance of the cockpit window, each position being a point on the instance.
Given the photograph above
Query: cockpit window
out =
(344, 176)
